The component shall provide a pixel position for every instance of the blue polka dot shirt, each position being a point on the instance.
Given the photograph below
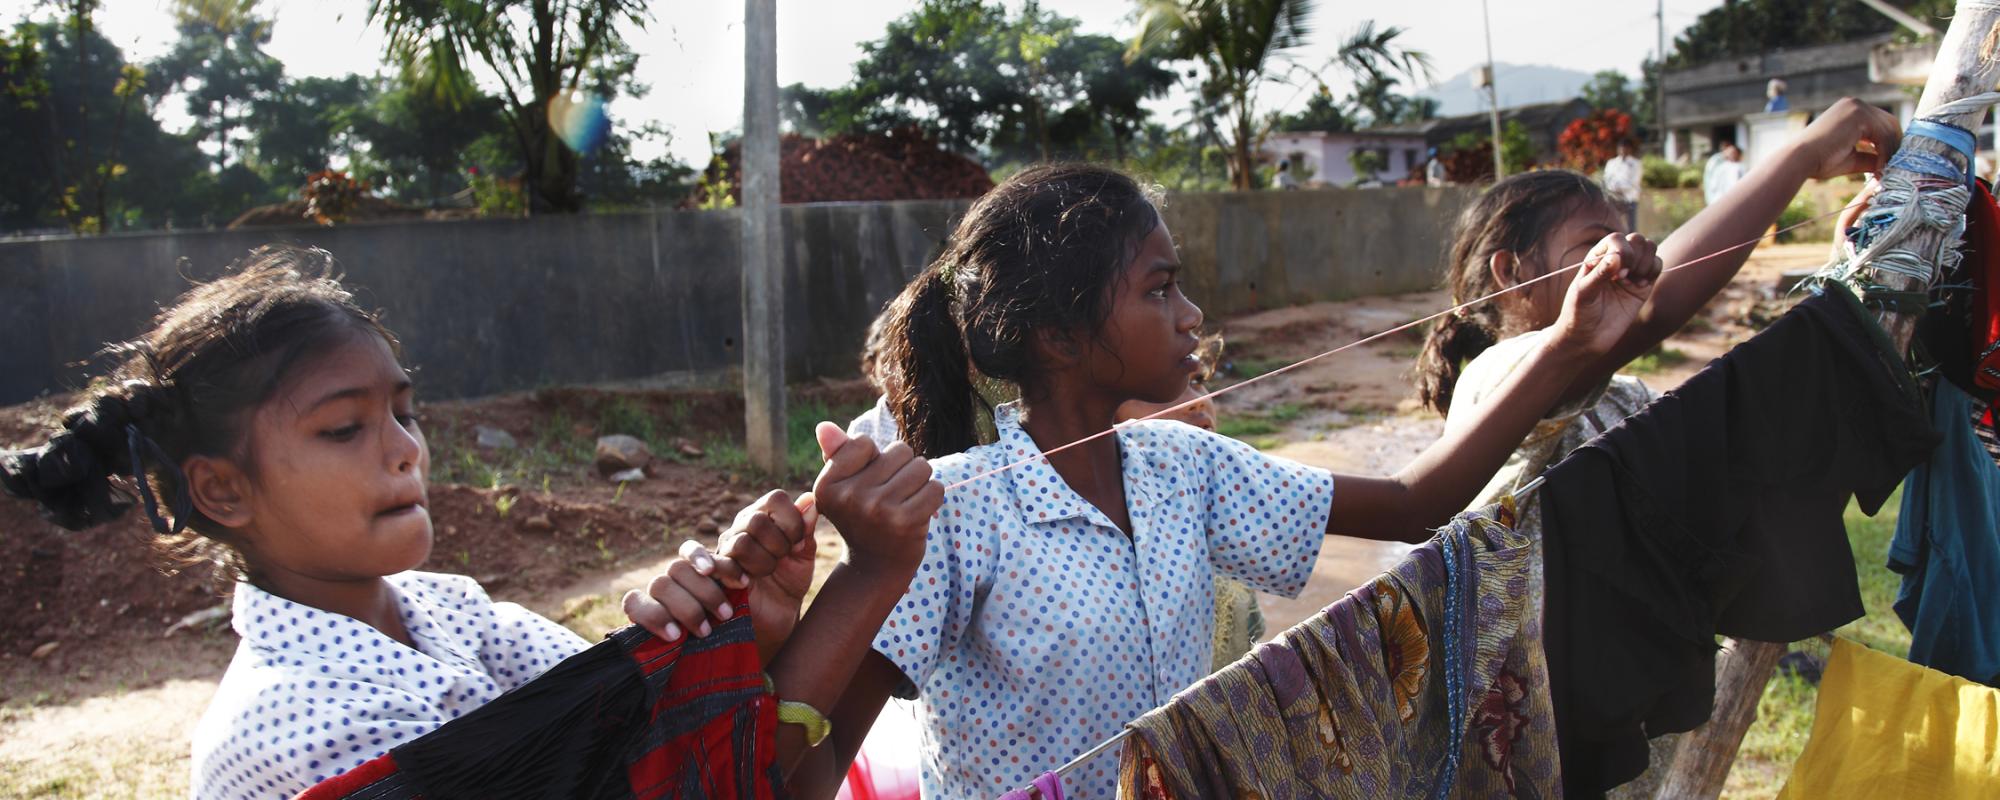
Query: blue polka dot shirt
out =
(1035, 628)
(311, 693)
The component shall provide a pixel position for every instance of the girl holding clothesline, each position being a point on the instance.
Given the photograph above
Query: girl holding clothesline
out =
(1061, 598)
(1531, 224)
(270, 427)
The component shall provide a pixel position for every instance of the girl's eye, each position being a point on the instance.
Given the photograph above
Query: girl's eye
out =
(410, 420)
(1161, 292)
(342, 433)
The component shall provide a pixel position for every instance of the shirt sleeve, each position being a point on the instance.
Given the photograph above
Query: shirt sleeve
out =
(281, 738)
(1265, 516)
(936, 611)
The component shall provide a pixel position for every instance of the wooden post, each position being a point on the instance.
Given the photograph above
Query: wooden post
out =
(1968, 63)
(1702, 761)
(763, 253)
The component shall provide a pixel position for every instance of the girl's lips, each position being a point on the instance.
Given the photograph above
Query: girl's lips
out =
(405, 509)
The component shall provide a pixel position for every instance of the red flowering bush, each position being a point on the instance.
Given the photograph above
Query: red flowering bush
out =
(1589, 142)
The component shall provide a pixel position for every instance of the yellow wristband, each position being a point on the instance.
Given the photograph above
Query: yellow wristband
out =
(791, 712)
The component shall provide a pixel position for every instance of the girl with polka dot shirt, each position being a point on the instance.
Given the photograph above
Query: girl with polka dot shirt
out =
(1066, 595)
(268, 426)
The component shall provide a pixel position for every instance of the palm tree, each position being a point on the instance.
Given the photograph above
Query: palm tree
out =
(1236, 41)
(1372, 57)
(1239, 42)
(539, 51)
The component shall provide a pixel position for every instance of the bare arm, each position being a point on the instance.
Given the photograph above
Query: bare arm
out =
(819, 775)
(1597, 311)
(1446, 476)
(829, 664)
(1832, 146)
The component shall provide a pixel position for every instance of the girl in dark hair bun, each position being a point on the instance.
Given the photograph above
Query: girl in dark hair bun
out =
(266, 423)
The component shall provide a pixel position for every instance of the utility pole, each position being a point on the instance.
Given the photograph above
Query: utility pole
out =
(1660, 79)
(1493, 95)
(763, 258)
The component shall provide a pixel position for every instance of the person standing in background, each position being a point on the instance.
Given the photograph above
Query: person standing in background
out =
(1724, 170)
(1622, 179)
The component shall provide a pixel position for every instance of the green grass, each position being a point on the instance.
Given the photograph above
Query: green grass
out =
(801, 445)
(1238, 426)
(1660, 358)
(1785, 714)
(1285, 412)
(1247, 368)
(554, 448)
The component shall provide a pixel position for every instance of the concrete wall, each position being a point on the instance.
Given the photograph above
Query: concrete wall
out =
(490, 306)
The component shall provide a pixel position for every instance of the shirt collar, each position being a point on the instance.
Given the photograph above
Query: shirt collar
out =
(1036, 482)
(291, 631)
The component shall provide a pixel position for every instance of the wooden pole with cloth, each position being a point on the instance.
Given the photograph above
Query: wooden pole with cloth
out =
(1909, 232)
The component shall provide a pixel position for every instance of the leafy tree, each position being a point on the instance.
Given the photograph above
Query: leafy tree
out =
(1610, 90)
(220, 65)
(1320, 114)
(940, 66)
(1468, 157)
(299, 129)
(1240, 43)
(78, 143)
(417, 142)
(1236, 41)
(1748, 27)
(613, 178)
(979, 80)
(1115, 88)
(804, 110)
(1178, 159)
(536, 50)
(1379, 65)
(1367, 163)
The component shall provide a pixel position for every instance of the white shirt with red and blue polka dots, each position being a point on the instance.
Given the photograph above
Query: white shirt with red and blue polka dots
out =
(311, 693)
(1035, 628)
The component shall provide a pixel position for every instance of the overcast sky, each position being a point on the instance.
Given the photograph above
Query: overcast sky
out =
(692, 52)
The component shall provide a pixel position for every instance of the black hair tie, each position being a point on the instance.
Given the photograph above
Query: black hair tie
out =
(139, 446)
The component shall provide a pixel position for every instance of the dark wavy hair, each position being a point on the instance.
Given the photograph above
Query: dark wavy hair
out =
(1040, 251)
(187, 388)
(1512, 217)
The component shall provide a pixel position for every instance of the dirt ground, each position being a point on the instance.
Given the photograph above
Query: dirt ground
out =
(99, 685)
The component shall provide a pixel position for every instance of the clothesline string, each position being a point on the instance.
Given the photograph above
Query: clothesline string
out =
(1359, 342)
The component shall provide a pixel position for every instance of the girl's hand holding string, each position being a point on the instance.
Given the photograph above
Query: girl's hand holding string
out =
(768, 548)
(881, 500)
(887, 499)
(1609, 290)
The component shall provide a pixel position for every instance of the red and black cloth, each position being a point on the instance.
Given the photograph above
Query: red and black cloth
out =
(1960, 333)
(632, 717)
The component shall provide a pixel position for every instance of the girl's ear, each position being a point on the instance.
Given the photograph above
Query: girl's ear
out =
(1057, 347)
(1505, 267)
(220, 489)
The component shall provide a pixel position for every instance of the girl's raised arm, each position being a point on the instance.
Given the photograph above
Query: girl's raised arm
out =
(1850, 137)
(1602, 303)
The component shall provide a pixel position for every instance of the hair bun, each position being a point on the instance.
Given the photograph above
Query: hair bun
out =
(68, 477)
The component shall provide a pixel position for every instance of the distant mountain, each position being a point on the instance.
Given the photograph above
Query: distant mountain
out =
(1520, 84)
